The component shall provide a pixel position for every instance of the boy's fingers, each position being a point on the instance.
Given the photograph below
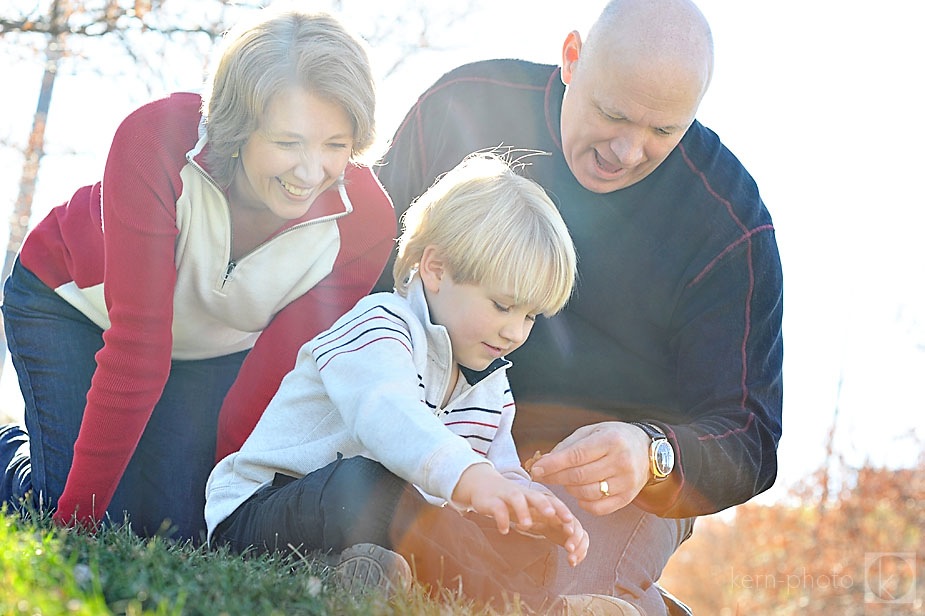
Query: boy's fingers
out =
(543, 504)
(515, 506)
(521, 507)
(562, 511)
(502, 518)
(582, 550)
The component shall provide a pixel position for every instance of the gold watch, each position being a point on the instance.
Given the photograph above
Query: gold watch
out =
(661, 454)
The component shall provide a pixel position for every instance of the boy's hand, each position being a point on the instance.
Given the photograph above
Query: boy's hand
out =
(487, 492)
(570, 535)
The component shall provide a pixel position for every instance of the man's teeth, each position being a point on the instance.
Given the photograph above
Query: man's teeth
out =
(606, 166)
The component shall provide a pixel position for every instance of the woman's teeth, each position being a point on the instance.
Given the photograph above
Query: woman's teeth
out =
(294, 190)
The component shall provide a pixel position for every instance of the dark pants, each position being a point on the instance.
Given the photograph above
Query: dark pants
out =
(52, 346)
(357, 500)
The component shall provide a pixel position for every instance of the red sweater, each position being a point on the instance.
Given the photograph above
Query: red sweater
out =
(146, 255)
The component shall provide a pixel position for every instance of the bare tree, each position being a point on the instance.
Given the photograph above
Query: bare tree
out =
(61, 22)
(58, 16)
(152, 38)
(123, 20)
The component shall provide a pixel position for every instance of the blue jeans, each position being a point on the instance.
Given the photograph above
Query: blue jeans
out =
(629, 549)
(52, 346)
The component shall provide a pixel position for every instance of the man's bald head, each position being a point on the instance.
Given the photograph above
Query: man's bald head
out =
(653, 35)
(633, 89)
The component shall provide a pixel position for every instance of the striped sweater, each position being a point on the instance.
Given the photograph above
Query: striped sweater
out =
(403, 362)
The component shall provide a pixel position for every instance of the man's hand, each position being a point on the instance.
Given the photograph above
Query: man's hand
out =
(484, 490)
(613, 452)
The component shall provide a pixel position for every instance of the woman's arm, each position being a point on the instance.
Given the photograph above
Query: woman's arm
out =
(139, 192)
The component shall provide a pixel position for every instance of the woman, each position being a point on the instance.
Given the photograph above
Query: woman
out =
(226, 232)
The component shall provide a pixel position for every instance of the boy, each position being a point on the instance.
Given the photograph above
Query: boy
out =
(391, 440)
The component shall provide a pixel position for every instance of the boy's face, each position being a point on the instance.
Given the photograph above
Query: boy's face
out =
(483, 323)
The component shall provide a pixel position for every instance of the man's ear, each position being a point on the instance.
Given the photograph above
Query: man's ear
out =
(432, 269)
(571, 49)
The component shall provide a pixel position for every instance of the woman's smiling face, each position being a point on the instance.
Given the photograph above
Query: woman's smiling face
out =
(300, 150)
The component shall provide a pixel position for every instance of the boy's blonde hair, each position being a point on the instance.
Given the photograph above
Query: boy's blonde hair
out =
(277, 49)
(493, 228)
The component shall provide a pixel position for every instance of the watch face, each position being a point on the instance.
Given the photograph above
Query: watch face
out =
(663, 458)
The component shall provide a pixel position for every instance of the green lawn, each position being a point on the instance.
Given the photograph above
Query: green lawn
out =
(47, 570)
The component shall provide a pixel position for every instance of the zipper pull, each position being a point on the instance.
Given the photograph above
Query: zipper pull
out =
(229, 272)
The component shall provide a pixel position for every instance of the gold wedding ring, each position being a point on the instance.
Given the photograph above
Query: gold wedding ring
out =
(605, 488)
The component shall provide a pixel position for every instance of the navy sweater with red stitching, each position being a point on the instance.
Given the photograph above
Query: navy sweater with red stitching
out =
(676, 317)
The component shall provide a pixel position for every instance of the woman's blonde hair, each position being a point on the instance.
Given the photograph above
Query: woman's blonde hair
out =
(277, 50)
(493, 228)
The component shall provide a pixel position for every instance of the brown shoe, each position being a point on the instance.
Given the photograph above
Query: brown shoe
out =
(597, 605)
(367, 566)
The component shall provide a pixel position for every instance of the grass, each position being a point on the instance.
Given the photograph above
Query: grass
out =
(47, 570)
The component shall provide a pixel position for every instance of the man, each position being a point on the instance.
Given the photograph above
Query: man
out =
(676, 318)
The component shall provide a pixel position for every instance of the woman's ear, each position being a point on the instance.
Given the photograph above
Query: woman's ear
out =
(431, 269)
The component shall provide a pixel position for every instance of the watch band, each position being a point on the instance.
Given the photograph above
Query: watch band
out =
(652, 430)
